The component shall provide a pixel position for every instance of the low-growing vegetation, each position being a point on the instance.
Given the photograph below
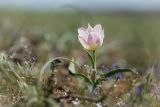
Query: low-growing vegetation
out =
(49, 60)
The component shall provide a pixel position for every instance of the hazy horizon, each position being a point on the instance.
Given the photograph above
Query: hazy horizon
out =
(90, 5)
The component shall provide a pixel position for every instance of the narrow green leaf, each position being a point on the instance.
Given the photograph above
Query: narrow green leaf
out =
(90, 56)
(113, 72)
(81, 76)
(72, 71)
(55, 62)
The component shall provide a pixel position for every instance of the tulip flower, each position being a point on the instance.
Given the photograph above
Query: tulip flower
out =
(91, 38)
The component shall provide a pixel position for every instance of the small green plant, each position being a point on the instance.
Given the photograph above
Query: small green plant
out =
(39, 94)
(91, 39)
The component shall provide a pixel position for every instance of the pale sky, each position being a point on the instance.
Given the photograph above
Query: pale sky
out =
(143, 5)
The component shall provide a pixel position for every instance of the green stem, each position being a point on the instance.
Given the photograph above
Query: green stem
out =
(94, 63)
(94, 73)
(92, 58)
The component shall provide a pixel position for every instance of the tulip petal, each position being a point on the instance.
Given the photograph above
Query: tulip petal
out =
(83, 42)
(82, 32)
(98, 28)
(89, 29)
(93, 40)
(101, 37)
(96, 37)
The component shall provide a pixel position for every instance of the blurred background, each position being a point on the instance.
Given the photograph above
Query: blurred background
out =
(37, 30)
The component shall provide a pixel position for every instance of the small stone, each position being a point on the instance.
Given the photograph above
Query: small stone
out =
(75, 102)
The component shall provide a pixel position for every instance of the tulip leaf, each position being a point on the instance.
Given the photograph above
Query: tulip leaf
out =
(113, 72)
(73, 72)
(81, 76)
(54, 63)
(90, 56)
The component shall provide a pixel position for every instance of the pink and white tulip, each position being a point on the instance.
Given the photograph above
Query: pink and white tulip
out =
(91, 38)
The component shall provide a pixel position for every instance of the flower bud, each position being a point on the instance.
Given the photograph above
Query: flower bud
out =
(91, 38)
